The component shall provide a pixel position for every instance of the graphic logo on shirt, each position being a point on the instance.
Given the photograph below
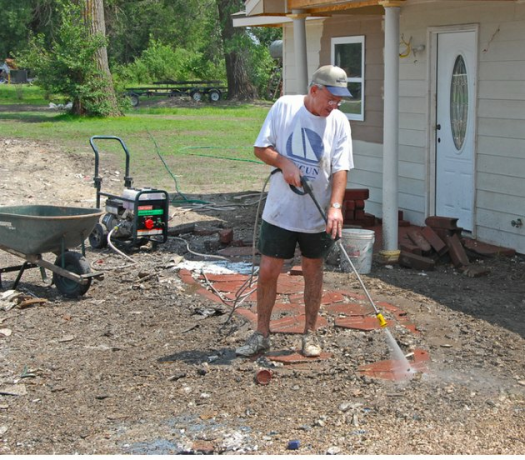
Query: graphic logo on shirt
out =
(305, 148)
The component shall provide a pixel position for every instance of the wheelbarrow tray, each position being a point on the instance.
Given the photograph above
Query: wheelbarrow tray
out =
(37, 229)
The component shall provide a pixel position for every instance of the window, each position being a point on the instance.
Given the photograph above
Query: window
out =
(349, 54)
(459, 102)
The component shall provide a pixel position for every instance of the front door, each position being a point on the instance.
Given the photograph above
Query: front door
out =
(455, 126)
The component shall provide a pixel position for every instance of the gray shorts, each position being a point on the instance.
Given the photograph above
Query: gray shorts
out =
(280, 243)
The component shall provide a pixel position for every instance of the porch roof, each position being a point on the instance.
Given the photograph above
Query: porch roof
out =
(334, 7)
(316, 7)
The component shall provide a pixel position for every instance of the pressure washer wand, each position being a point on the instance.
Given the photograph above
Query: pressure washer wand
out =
(308, 190)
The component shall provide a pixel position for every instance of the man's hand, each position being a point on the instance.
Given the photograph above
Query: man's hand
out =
(334, 226)
(291, 173)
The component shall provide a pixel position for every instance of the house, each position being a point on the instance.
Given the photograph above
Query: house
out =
(438, 107)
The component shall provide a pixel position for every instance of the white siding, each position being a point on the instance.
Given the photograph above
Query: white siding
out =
(500, 143)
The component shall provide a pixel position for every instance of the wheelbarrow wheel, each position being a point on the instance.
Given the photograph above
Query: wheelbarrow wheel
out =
(98, 238)
(76, 263)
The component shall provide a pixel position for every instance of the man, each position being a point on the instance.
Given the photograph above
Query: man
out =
(302, 136)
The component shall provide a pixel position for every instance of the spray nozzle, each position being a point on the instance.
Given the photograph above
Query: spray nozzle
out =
(381, 319)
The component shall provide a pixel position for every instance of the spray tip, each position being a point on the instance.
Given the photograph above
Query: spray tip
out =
(381, 319)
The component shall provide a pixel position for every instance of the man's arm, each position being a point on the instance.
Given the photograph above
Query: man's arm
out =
(271, 157)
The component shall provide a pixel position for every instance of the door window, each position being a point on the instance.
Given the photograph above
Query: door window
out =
(459, 102)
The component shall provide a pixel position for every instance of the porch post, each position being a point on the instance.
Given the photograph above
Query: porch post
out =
(391, 130)
(299, 40)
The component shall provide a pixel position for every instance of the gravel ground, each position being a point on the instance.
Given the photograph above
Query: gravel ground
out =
(142, 364)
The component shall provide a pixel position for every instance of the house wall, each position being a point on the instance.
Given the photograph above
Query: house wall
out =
(500, 124)
(314, 30)
(500, 141)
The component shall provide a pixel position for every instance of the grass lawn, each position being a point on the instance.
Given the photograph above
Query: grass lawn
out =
(202, 148)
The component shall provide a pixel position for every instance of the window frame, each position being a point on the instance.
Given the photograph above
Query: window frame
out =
(360, 39)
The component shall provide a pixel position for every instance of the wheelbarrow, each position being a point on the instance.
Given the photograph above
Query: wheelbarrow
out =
(30, 231)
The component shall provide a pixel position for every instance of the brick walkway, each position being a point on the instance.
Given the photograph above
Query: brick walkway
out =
(343, 309)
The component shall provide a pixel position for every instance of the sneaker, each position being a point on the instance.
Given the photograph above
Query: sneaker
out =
(255, 344)
(311, 346)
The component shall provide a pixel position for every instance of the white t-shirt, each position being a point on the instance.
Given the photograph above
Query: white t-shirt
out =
(319, 146)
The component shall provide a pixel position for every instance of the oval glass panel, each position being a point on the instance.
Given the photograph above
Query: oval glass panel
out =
(459, 102)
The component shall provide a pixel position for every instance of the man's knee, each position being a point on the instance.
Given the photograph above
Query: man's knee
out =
(269, 269)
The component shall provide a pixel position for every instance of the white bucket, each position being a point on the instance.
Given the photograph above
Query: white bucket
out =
(359, 245)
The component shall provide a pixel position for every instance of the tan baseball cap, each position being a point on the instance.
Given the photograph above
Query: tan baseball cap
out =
(334, 78)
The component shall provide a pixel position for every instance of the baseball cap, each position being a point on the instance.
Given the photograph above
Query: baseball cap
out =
(333, 78)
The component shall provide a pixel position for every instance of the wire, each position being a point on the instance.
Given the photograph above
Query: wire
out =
(250, 280)
(198, 253)
(114, 248)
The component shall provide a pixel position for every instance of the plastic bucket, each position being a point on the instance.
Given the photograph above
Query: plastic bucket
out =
(359, 245)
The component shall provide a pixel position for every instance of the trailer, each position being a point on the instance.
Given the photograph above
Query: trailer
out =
(196, 89)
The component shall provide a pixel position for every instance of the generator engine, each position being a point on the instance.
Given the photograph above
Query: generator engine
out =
(138, 216)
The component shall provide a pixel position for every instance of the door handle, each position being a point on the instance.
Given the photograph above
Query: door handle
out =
(438, 126)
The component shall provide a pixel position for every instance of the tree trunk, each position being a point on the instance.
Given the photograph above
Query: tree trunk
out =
(95, 24)
(239, 85)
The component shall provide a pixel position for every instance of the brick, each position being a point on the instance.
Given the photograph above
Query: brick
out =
(366, 323)
(369, 220)
(435, 241)
(359, 214)
(448, 223)
(296, 270)
(359, 204)
(409, 247)
(203, 231)
(457, 251)
(419, 240)
(357, 194)
(475, 272)
(407, 259)
(226, 236)
(443, 233)
(181, 229)
(487, 250)
(237, 252)
(349, 216)
(349, 205)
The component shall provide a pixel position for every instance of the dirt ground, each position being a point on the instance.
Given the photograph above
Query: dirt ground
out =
(142, 364)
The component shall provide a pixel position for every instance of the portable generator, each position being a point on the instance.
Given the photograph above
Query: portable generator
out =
(137, 217)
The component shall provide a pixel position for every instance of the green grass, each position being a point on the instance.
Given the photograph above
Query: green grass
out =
(22, 94)
(204, 149)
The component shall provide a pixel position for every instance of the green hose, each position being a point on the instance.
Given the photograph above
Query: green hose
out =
(185, 200)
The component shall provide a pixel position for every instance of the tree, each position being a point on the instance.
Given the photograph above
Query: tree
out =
(69, 66)
(236, 49)
(95, 24)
